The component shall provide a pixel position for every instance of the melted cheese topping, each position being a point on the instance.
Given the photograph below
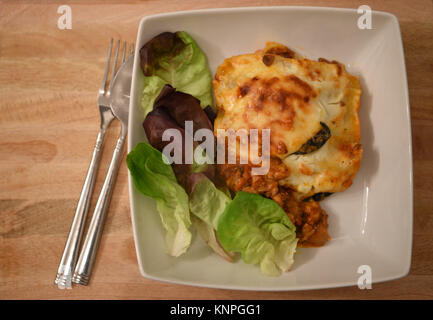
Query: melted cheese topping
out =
(274, 89)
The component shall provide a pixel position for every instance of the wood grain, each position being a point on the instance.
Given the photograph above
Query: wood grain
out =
(48, 121)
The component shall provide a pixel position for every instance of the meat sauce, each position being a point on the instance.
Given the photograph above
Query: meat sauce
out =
(308, 217)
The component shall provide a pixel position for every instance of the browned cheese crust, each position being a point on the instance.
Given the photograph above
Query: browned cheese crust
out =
(296, 98)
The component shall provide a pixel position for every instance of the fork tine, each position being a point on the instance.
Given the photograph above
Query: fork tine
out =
(124, 52)
(107, 66)
(114, 70)
(132, 48)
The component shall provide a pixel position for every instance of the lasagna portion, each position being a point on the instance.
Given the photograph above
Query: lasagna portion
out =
(311, 108)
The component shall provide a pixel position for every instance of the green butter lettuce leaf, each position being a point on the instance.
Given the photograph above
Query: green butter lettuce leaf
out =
(260, 230)
(152, 87)
(175, 59)
(208, 234)
(156, 179)
(207, 203)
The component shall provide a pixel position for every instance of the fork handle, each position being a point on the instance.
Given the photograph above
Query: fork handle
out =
(86, 260)
(70, 252)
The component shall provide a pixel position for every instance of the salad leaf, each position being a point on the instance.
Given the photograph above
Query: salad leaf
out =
(156, 179)
(183, 107)
(175, 59)
(208, 234)
(260, 230)
(156, 122)
(211, 114)
(152, 87)
(171, 109)
(207, 202)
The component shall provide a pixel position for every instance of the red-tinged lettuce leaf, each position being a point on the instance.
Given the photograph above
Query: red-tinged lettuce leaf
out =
(155, 124)
(163, 44)
(175, 59)
(210, 114)
(183, 107)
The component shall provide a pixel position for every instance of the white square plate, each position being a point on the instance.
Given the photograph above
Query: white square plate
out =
(370, 223)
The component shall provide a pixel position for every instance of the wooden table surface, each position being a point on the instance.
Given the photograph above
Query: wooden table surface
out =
(49, 120)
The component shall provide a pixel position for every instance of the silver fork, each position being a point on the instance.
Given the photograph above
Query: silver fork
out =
(119, 103)
(70, 252)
